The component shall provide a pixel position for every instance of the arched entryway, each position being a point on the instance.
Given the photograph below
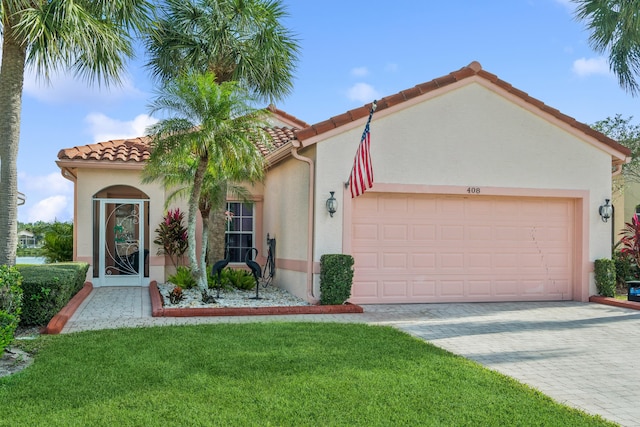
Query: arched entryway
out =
(120, 237)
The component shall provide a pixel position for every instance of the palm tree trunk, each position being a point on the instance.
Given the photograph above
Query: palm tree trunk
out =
(217, 230)
(11, 81)
(196, 269)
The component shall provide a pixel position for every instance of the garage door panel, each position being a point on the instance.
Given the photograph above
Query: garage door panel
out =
(452, 288)
(532, 287)
(395, 232)
(394, 289)
(394, 260)
(423, 260)
(451, 261)
(424, 248)
(422, 207)
(480, 288)
(477, 232)
(368, 290)
(452, 232)
(423, 287)
(367, 260)
(422, 232)
(366, 232)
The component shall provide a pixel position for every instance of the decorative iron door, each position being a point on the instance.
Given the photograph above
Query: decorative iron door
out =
(122, 252)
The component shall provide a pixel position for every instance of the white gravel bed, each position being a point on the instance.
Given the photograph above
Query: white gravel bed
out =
(271, 296)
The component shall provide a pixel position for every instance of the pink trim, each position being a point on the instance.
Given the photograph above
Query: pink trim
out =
(582, 265)
(296, 265)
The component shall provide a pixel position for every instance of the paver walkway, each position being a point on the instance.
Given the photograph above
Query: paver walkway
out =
(580, 354)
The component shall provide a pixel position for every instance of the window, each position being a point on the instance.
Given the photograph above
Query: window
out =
(239, 234)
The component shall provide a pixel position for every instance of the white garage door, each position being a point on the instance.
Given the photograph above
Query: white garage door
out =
(428, 248)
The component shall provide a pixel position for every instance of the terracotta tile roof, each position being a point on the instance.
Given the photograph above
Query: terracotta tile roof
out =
(279, 137)
(295, 122)
(473, 69)
(137, 150)
(119, 150)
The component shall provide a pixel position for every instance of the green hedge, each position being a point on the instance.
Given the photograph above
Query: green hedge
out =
(48, 288)
(605, 270)
(336, 278)
(10, 304)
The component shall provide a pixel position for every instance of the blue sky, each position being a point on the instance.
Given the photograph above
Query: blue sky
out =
(352, 52)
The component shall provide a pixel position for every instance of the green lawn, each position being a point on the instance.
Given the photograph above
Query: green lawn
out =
(271, 374)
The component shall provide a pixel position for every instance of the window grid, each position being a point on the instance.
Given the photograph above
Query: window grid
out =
(239, 232)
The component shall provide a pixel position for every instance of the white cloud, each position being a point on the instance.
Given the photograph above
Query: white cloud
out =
(50, 209)
(362, 92)
(52, 183)
(104, 128)
(64, 88)
(360, 71)
(585, 67)
(49, 197)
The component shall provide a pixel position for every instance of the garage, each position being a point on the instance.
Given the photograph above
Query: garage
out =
(424, 248)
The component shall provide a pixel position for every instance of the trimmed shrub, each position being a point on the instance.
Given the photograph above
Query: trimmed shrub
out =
(48, 288)
(605, 270)
(336, 278)
(10, 304)
(624, 269)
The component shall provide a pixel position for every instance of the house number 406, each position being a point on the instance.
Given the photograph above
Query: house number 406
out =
(473, 190)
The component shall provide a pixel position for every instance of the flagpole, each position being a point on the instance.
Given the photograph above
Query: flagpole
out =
(374, 105)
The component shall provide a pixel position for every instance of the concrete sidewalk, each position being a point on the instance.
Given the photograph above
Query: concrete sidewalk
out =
(580, 354)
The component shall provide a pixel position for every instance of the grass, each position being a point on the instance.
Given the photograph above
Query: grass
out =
(271, 374)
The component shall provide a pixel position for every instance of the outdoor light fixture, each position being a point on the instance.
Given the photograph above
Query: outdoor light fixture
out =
(605, 210)
(332, 204)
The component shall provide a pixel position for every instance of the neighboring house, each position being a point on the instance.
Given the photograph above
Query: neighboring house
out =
(26, 239)
(481, 193)
(626, 202)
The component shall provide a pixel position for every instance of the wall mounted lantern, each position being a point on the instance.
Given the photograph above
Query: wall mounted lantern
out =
(332, 204)
(605, 210)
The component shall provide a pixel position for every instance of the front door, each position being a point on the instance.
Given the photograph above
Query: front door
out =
(122, 253)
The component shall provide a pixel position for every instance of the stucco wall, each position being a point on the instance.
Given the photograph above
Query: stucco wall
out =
(94, 180)
(470, 136)
(286, 211)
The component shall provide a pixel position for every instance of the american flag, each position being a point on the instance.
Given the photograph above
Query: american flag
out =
(361, 178)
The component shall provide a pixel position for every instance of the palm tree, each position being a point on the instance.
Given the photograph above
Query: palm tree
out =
(615, 29)
(221, 180)
(236, 40)
(212, 129)
(92, 38)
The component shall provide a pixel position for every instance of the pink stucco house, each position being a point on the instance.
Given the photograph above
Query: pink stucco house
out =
(481, 193)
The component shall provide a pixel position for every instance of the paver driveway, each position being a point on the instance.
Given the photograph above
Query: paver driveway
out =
(581, 354)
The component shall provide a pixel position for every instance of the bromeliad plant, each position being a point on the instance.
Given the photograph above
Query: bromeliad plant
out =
(630, 244)
(172, 236)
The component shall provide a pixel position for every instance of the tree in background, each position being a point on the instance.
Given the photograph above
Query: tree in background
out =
(210, 129)
(91, 38)
(58, 243)
(614, 27)
(627, 134)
